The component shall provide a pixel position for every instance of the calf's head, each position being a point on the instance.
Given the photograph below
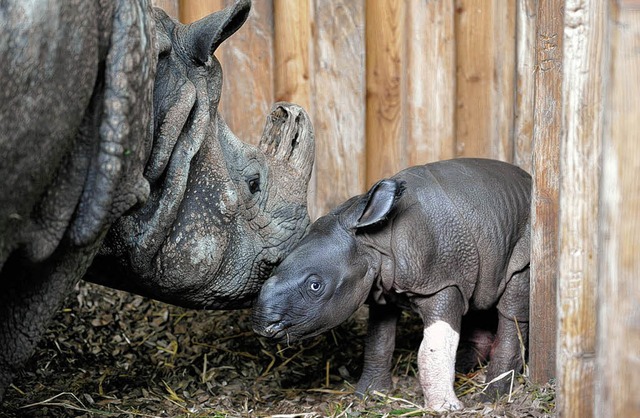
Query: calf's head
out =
(221, 213)
(329, 275)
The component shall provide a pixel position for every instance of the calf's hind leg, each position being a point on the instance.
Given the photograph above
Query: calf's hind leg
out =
(513, 320)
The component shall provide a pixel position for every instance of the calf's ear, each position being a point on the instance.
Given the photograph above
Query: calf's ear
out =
(380, 200)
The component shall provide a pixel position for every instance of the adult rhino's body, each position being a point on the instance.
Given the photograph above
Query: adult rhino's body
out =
(116, 165)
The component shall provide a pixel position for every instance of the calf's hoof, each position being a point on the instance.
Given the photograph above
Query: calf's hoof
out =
(369, 385)
(495, 390)
(443, 405)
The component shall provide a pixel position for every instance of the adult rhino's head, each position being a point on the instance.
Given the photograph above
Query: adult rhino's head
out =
(221, 213)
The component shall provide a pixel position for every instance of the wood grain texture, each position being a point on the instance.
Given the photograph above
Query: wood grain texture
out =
(583, 90)
(619, 265)
(431, 83)
(485, 60)
(339, 114)
(292, 55)
(169, 6)
(525, 83)
(192, 10)
(384, 64)
(545, 193)
(247, 64)
(293, 59)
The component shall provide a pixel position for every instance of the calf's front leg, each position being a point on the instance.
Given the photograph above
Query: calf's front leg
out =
(442, 315)
(378, 349)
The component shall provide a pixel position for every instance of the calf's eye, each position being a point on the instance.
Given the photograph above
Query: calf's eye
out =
(315, 284)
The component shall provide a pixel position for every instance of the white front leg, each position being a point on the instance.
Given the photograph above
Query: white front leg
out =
(436, 363)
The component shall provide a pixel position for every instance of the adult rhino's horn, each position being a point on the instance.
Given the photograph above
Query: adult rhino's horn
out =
(288, 137)
(206, 34)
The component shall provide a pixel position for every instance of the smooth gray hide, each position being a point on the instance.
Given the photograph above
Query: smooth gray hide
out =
(442, 239)
(114, 153)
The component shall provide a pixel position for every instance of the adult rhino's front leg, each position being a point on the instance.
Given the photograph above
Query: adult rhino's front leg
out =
(31, 299)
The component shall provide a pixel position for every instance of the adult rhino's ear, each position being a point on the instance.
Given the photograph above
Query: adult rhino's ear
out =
(206, 34)
(380, 200)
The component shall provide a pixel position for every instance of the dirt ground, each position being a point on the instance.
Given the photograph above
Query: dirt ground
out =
(113, 354)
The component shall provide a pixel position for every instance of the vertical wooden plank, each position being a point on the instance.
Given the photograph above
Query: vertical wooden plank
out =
(525, 83)
(169, 6)
(292, 25)
(431, 82)
(340, 94)
(292, 64)
(384, 57)
(485, 60)
(247, 64)
(619, 271)
(583, 85)
(544, 204)
(192, 10)
(474, 73)
(504, 64)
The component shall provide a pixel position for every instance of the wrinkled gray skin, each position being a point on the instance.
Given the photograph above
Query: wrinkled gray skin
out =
(113, 153)
(442, 239)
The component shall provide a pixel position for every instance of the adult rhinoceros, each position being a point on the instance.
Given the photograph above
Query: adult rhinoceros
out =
(116, 166)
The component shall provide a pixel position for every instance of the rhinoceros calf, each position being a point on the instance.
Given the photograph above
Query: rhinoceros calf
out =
(442, 239)
(116, 162)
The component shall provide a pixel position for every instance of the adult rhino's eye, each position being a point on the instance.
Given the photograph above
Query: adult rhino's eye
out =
(254, 184)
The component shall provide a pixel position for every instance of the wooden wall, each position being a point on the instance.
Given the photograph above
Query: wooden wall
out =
(388, 84)
(617, 343)
(552, 86)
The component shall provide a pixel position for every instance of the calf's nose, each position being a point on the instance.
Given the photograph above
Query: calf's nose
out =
(273, 329)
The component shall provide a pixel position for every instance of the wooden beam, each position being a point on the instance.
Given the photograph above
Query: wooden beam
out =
(340, 92)
(384, 57)
(485, 60)
(526, 13)
(292, 26)
(192, 10)
(579, 175)
(292, 65)
(431, 81)
(545, 194)
(247, 65)
(618, 345)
